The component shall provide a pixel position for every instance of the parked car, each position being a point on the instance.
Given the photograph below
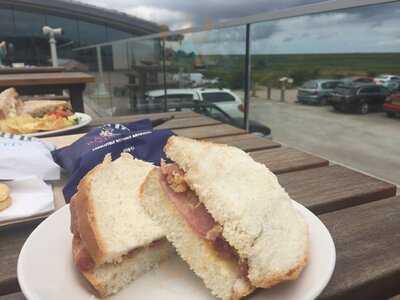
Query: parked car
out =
(392, 105)
(385, 79)
(208, 109)
(357, 79)
(316, 91)
(393, 86)
(223, 98)
(361, 98)
(215, 112)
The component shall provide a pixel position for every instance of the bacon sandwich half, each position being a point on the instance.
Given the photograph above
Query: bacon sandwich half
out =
(114, 241)
(227, 216)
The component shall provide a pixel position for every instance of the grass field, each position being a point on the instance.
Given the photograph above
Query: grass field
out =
(267, 69)
(351, 64)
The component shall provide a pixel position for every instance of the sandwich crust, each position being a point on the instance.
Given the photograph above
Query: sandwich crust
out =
(245, 198)
(86, 216)
(109, 278)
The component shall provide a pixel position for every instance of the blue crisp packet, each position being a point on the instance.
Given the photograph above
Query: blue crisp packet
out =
(136, 138)
(70, 157)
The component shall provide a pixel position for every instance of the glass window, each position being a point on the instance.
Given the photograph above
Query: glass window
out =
(369, 90)
(6, 23)
(212, 60)
(218, 97)
(330, 85)
(30, 45)
(115, 34)
(217, 114)
(176, 97)
(90, 33)
(310, 85)
(375, 89)
(345, 90)
(28, 24)
(364, 91)
(69, 26)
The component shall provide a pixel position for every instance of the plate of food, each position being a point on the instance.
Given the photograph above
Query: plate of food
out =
(37, 117)
(201, 227)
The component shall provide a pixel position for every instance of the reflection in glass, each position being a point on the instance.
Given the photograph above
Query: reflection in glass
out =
(307, 72)
(6, 23)
(208, 65)
(115, 35)
(90, 33)
(330, 45)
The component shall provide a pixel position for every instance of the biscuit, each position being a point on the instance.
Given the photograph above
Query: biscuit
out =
(4, 192)
(5, 204)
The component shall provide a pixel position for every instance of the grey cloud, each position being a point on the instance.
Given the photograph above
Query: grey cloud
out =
(206, 11)
(288, 39)
(199, 13)
(264, 30)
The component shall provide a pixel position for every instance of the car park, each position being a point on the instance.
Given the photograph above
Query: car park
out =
(392, 105)
(361, 98)
(222, 98)
(386, 79)
(316, 91)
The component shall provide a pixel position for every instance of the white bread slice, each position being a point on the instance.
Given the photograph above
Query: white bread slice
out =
(220, 276)
(110, 278)
(111, 221)
(256, 213)
(10, 105)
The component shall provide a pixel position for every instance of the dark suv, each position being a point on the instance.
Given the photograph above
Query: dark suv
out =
(361, 98)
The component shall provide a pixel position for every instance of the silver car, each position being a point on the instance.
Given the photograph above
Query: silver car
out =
(316, 91)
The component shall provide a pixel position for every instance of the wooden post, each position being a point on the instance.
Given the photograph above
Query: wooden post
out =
(268, 93)
(283, 90)
(254, 89)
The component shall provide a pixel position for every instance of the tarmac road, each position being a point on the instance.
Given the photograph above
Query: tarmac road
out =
(369, 143)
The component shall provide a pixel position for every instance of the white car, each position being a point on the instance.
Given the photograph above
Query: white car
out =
(225, 99)
(386, 79)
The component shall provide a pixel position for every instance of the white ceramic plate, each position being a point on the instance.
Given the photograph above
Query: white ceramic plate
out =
(84, 119)
(46, 270)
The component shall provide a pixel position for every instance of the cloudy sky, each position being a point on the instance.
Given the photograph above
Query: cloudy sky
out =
(368, 29)
(178, 14)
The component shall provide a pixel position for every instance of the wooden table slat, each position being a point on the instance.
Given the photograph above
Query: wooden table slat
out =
(285, 159)
(24, 70)
(15, 296)
(247, 142)
(188, 123)
(367, 240)
(11, 242)
(8, 80)
(209, 131)
(335, 187)
(154, 116)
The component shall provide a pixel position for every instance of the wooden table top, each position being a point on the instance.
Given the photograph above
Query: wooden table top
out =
(360, 211)
(24, 70)
(52, 78)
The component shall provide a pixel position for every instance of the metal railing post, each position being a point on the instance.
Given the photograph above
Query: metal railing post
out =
(165, 104)
(247, 79)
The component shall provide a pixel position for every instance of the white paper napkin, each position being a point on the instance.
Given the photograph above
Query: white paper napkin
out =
(21, 157)
(31, 196)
